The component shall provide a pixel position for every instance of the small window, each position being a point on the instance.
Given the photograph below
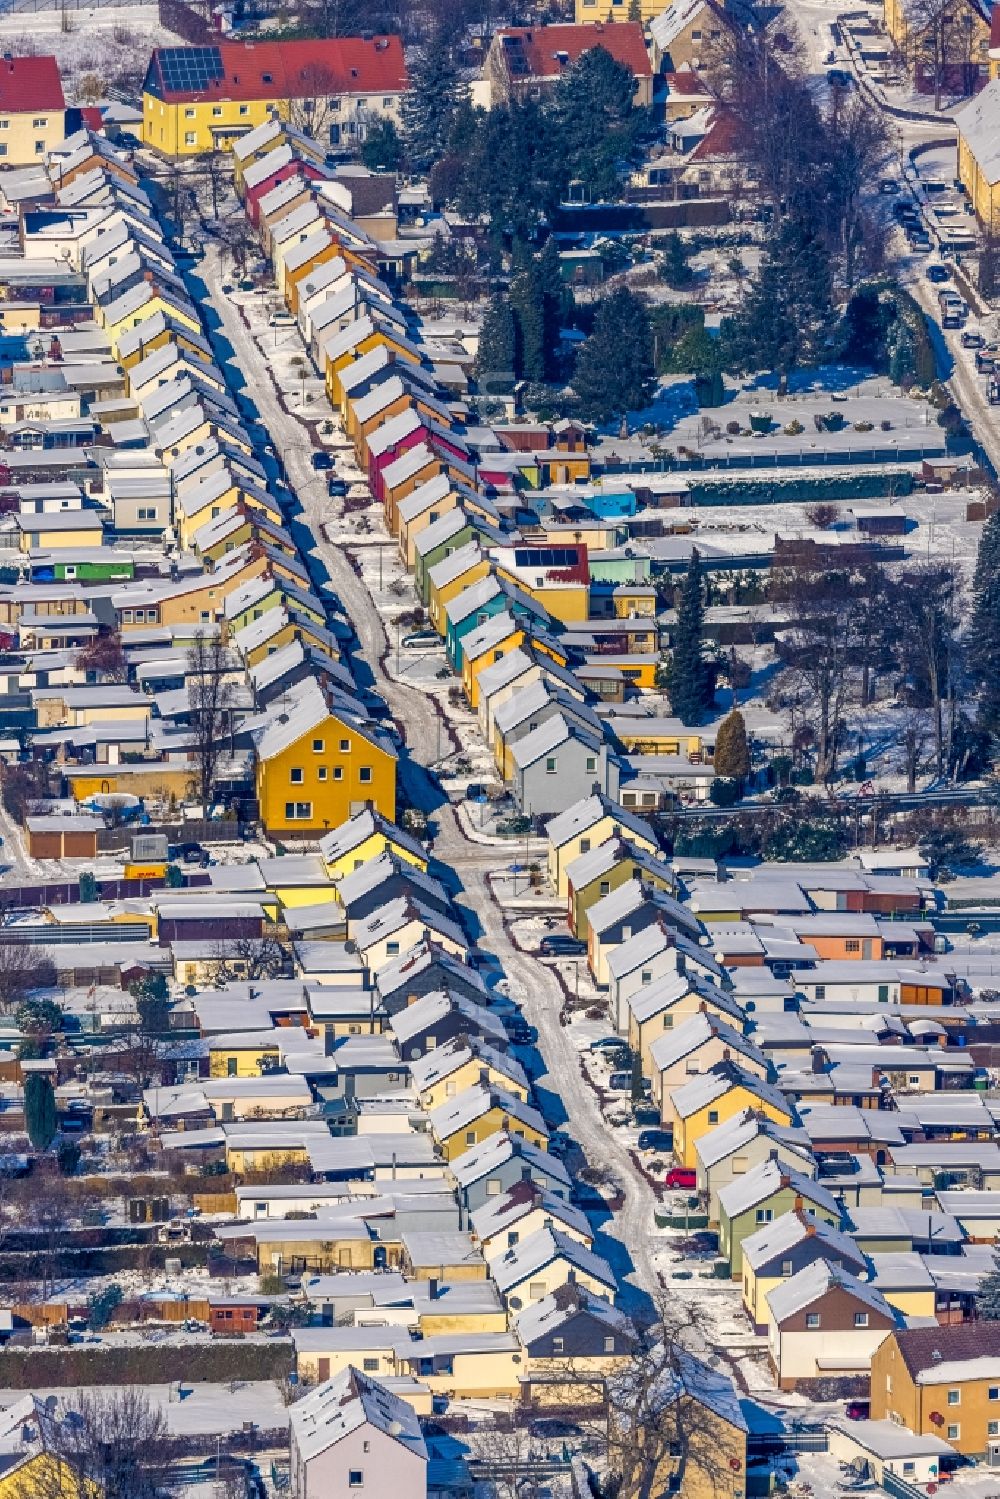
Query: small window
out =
(993, 1428)
(883, 994)
(551, 765)
(338, 772)
(668, 1022)
(470, 1137)
(993, 1392)
(295, 775)
(909, 1469)
(812, 1319)
(646, 976)
(954, 1432)
(319, 746)
(609, 1345)
(585, 845)
(321, 773)
(355, 1478)
(605, 887)
(861, 1319)
(765, 1215)
(591, 763)
(365, 773)
(40, 123)
(820, 991)
(392, 951)
(244, 109)
(954, 1397)
(713, 1116)
(266, 78)
(298, 811)
(39, 148)
(557, 1345)
(852, 945)
(537, 1290)
(786, 1267)
(189, 113)
(216, 111)
(345, 746)
(914, 1077)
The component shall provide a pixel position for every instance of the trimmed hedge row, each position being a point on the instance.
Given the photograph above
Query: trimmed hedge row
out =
(868, 486)
(194, 1363)
(104, 1261)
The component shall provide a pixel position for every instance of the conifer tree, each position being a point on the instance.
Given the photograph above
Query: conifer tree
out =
(984, 630)
(988, 554)
(614, 367)
(691, 676)
(431, 102)
(732, 752)
(557, 304)
(787, 315)
(495, 357)
(526, 300)
(39, 1110)
(988, 1294)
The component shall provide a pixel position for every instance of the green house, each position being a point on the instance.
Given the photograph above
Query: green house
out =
(761, 1196)
(435, 542)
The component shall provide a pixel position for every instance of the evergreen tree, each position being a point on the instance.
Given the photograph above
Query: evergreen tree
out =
(495, 358)
(983, 639)
(787, 315)
(614, 368)
(988, 1294)
(732, 752)
(431, 102)
(557, 305)
(988, 553)
(39, 1110)
(691, 676)
(382, 149)
(594, 121)
(675, 270)
(527, 302)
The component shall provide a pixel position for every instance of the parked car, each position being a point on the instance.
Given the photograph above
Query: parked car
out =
(420, 640)
(186, 853)
(858, 1410)
(321, 461)
(938, 272)
(620, 1082)
(606, 1043)
(560, 946)
(681, 1176)
(972, 340)
(839, 78)
(335, 487)
(281, 320)
(656, 1139)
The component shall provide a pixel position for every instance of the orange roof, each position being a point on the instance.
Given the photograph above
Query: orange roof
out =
(29, 83)
(277, 70)
(546, 51)
(723, 137)
(686, 81)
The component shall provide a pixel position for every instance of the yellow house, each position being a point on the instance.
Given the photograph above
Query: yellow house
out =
(586, 825)
(596, 874)
(450, 577)
(277, 628)
(41, 1473)
(421, 509)
(246, 1155)
(159, 779)
(473, 1366)
(315, 768)
(447, 1071)
(363, 838)
(955, 43)
(200, 99)
(138, 306)
(246, 1054)
(485, 645)
(700, 1434)
(660, 736)
(978, 160)
(475, 1114)
(537, 1266)
(75, 529)
(713, 1097)
(664, 1005)
(32, 109)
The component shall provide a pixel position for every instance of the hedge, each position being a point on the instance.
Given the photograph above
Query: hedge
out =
(867, 486)
(97, 1261)
(144, 1363)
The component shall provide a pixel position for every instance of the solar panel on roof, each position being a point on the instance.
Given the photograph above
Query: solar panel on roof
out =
(190, 69)
(546, 556)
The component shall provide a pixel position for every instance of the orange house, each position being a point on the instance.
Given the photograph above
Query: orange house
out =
(357, 339)
(295, 277)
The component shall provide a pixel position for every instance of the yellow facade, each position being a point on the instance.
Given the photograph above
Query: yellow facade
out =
(637, 740)
(984, 194)
(619, 874)
(244, 1159)
(440, 598)
(158, 779)
(642, 1035)
(243, 1060)
(372, 848)
(589, 12)
(593, 836)
(467, 1076)
(712, 1459)
(487, 1374)
(334, 781)
(148, 309)
(489, 1124)
(48, 1477)
(29, 137)
(687, 1132)
(471, 669)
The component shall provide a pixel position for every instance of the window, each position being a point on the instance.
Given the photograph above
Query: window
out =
(852, 945)
(189, 114)
(244, 109)
(266, 78)
(295, 775)
(298, 811)
(609, 1345)
(40, 123)
(914, 1077)
(713, 1116)
(993, 1428)
(558, 1345)
(954, 1432)
(494, 1187)
(338, 772)
(909, 1469)
(551, 765)
(345, 746)
(216, 111)
(537, 1290)
(321, 773)
(319, 745)
(39, 148)
(668, 1022)
(765, 1215)
(993, 1392)
(954, 1397)
(812, 1319)
(591, 762)
(605, 887)
(470, 1137)
(146, 512)
(392, 951)
(355, 1478)
(4, 124)
(365, 773)
(786, 1267)
(883, 994)
(820, 991)
(189, 138)
(861, 1319)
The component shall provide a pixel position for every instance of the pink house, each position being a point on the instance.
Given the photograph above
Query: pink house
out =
(352, 1433)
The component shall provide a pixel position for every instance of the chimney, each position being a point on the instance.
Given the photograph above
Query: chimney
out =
(526, 1173)
(797, 1205)
(484, 1076)
(810, 1229)
(681, 961)
(432, 1288)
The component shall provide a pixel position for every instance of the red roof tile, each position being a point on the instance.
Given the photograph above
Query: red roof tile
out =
(724, 137)
(686, 81)
(28, 83)
(549, 50)
(283, 70)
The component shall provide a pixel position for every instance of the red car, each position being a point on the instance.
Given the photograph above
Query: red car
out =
(858, 1410)
(681, 1176)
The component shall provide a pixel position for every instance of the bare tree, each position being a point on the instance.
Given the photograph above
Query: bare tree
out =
(248, 958)
(210, 697)
(817, 657)
(23, 969)
(105, 656)
(913, 738)
(926, 602)
(314, 113)
(103, 1442)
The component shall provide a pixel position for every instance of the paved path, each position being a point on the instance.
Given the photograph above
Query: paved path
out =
(536, 987)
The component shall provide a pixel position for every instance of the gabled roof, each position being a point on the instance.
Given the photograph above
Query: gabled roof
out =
(547, 51)
(477, 1162)
(345, 1404)
(676, 1044)
(774, 1239)
(28, 83)
(277, 70)
(583, 814)
(809, 1285)
(540, 1249)
(544, 1317)
(767, 1179)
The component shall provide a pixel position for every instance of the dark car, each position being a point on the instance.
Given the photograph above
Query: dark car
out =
(656, 1139)
(519, 1033)
(839, 78)
(321, 461)
(938, 273)
(187, 853)
(560, 946)
(335, 487)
